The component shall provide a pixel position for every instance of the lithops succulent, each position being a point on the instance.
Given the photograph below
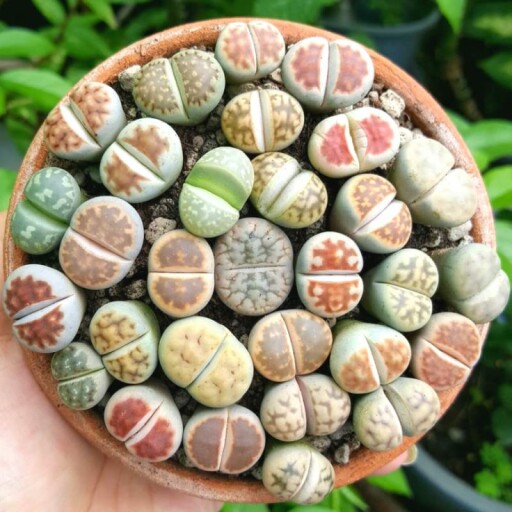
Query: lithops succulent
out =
(286, 194)
(326, 274)
(230, 440)
(104, 238)
(253, 267)
(126, 335)
(248, 51)
(45, 306)
(366, 210)
(143, 162)
(82, 125)
(471, 280)
(445, 350)
(204, 357)
(217, 187)
(180, 279)
(81, 375)
(405, 407)
(145, 418)
(181, 90)
(40, 221)
(262, 120)
(398, 290)
(364, 356)
(297, 472)
(437, 194)
(289, 343)
(325, 75)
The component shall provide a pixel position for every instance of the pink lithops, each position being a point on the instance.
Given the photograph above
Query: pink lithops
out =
(85, 123)
(327, 274)
(325, 75)
(45, 306)
(180, 279)
(445, 350)
(248, 51)
(366, 210)
(104, 238)
(289, 343)
(230, 440)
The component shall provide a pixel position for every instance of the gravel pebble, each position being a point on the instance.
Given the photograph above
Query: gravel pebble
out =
(392, 103)
(157, 228)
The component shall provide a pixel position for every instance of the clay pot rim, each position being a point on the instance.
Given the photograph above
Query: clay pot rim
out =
(426, 115)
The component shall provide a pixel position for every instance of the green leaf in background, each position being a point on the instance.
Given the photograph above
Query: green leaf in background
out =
(498, 182)
(492, 137)
(83, 42)
(126, 2)
(453, 11)
(7, 179)
(394, 482)
(52, 10)
(499, 68)
(353, 497)
(20, 132)
(461, 123)
(2, 102)
(504, 238)
(311, 508)
(491, 22)
(103, 10)
(501, 421)
(307, 11)
(24, 43)
(243, 507)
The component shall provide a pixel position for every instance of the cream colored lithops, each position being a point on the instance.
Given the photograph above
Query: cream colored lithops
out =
(143, 162)
(181, 90)
(204, 357)
(366, 210)
(325, 75)
(45, 307)
(327, 274)
(253, 267)
(262, 120)
(104, 238)
(230, 440)
(82, 125)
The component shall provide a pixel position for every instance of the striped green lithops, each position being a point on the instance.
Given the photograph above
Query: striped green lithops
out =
(217, 187)
(40, 221)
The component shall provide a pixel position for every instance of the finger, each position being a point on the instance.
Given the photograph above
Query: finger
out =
(5, 324)
(404, 459)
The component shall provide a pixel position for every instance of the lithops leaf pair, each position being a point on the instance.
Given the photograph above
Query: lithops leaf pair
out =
(40, 221)
(45, 306)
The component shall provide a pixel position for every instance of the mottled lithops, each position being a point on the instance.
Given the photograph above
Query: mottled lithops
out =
(288, 343)
(398, 290)
(217, 187)
(297, 472)
(405, 407)
(262, 120)
(366, 210)
(145, 418)
(143, 162)
(180, 279)
(325, 75)
(437, 194)
(181, 90)
(82, 378)
(471, 280)
(82, 125)
(104, 238)
(445, 350)
(204, 357)
(45, 306)
(327, 274)
(253, 267)
(248, 51)
(364, 356)
(40, 221)
(230, 440)
(360, 140)
(286, 194)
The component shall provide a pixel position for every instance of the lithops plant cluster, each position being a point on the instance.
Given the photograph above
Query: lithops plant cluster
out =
(240, 286)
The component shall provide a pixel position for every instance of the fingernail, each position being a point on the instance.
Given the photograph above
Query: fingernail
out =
(412, 455)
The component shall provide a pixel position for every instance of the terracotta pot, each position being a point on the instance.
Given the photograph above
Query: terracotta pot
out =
(426, 115)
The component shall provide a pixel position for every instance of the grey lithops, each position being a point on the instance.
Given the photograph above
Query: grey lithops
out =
(253, 267)
(81, 375)
(366, 210)
(40, 221)
(398, 290)
(204, 357)
(143, 162)
(437, 194)
(327, 274)
(286, 194)
(181, 90)
(45, 306)
(82, 125)
(230, 440)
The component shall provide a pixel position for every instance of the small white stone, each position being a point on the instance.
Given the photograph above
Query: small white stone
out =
(158, 227)
(405, 135)
(458, 232)
(392, 103)
(127, 76)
